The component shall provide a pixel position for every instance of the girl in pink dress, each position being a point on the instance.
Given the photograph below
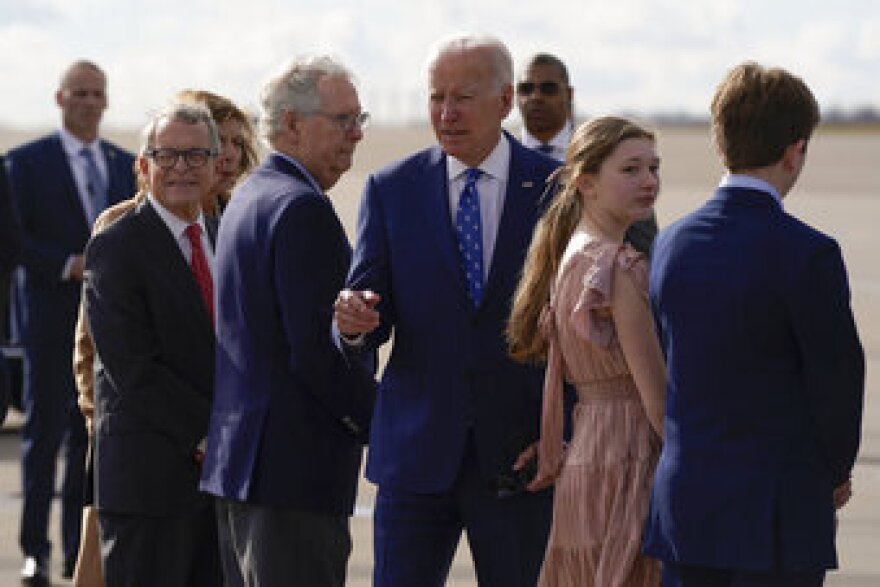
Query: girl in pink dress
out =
(582, 306)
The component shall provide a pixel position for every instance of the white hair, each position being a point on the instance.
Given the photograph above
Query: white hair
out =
(500, 61)
(181, 112)
(295, 89)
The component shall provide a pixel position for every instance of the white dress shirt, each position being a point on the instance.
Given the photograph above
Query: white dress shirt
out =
(559, 142)
(72, 147)
(177, 226)
(491, 190)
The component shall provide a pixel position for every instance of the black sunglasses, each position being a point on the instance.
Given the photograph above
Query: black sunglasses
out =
(546, 88)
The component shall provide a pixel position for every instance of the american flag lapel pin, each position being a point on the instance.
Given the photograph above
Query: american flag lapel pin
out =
(528, 184)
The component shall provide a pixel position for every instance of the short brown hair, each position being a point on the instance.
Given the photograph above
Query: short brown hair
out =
(757, 112)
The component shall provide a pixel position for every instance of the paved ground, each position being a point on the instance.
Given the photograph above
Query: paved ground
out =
(838, 193)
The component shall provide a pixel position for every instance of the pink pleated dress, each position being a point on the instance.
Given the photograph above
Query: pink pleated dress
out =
(601, 495)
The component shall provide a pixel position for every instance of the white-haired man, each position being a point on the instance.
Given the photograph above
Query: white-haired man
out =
(442, 236)
(290, 414)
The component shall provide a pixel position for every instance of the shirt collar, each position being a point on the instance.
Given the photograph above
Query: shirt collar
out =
(309, 178)
(560, 141)
(495, 165)
(72, 145)
(736, 180)
(175, 224)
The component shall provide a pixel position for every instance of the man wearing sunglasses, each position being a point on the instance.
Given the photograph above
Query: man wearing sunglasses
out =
(544, 98)
(545, 101)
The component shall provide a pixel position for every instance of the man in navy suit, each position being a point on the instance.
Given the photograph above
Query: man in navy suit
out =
(59, 184)
(442, 237)
(148, 301)
(766, 372)
(290, 413)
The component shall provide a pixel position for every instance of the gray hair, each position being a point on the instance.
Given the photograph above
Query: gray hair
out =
(295, 89)
(500, 60)
(180, 112)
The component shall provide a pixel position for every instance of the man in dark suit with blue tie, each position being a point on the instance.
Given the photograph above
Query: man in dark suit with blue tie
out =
(59, 184)
(149, 304)
(442, 237)
(766, 372)
(291, 413)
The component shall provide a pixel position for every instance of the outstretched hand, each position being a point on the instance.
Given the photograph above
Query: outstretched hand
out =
(355, 312)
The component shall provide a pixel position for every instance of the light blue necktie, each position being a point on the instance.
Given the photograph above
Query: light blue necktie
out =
(470, 236)
(95, 185)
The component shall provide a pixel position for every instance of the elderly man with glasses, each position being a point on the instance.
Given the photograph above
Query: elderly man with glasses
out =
(290, 414)
(149, 304)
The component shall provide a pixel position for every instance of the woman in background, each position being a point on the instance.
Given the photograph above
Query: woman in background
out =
(582, 306)
(238, 154)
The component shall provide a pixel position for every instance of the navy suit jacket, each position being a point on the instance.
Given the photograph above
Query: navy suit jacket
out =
(449, 371)
(54, 227)
(155, 366)
(290, 412)
(764, 392)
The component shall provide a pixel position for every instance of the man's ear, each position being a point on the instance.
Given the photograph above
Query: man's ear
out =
(794, 155)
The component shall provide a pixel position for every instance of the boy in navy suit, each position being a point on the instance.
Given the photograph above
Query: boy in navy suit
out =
(766, 372)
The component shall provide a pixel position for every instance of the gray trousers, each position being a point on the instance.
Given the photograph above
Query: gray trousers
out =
(264, 546)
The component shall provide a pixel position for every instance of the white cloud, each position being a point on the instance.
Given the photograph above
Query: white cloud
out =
(637, 55)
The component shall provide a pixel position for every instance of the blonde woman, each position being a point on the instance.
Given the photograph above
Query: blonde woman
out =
(581, 305)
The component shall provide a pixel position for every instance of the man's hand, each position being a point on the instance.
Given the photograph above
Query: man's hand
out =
(842, 493)
(77, 267)
(355, 312)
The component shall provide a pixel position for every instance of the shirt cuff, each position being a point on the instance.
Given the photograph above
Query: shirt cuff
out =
(356, 341)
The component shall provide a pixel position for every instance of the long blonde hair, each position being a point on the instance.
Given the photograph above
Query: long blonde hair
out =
(592, 143)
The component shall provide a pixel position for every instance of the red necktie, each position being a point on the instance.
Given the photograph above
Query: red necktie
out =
(200, 269)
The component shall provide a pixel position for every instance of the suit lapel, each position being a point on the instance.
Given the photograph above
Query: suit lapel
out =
(65, 175)
(438, 217)
(160, 244)
(524, 185)
(114, 178)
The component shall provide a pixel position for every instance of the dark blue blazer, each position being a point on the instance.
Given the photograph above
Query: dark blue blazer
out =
(54, 227)
(449, 370)
(290, 413)
(155, 370)
(764, 396)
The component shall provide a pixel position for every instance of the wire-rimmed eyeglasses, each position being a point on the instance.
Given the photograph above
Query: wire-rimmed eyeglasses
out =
(348, 122)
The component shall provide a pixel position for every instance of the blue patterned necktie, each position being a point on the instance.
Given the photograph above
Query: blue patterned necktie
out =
(95, 184)
(470, 236)
(546, 148)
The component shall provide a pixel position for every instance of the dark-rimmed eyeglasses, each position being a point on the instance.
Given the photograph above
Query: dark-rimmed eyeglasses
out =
(167, 158)
(548, 88)
(348, 122)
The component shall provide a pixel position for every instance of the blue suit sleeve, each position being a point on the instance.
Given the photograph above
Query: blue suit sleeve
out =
(833, 359)
(370, 264)
(311, 258)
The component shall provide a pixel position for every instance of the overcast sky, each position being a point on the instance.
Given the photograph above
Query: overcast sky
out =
(643, 56)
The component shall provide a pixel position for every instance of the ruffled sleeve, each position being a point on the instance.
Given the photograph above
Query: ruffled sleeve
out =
(550, 444)
(591, 317)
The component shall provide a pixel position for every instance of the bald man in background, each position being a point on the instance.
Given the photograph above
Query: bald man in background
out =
(59, 184)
